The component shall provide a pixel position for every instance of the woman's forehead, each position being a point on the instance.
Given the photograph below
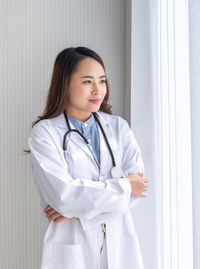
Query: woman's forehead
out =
(90, 67)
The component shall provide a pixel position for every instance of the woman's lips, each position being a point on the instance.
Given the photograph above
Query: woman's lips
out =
(95, 101)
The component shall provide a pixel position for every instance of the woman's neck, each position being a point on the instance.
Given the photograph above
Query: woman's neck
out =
(78, 115)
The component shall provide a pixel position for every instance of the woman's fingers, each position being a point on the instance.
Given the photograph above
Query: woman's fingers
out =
(57, 216)
(61, 218)
(142, 195)
(50, 211)
(52, 214)
(47, 208)
(145, 186)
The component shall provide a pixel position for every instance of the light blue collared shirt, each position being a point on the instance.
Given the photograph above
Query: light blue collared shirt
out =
(90, 131)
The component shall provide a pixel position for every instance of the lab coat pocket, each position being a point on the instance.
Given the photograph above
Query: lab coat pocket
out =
(61, 256)
(129, 254)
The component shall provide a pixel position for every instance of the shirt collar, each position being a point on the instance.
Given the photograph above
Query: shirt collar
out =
(60, 121)
(80, 124)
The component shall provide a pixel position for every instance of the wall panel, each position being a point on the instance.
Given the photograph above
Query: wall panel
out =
(31, 35)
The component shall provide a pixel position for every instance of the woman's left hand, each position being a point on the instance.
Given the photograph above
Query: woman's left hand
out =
(52, 214)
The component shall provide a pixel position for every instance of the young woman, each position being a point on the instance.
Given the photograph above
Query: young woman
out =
(88, 170)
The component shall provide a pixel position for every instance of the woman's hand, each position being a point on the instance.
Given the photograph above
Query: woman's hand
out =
(54, 215)
(139, 184)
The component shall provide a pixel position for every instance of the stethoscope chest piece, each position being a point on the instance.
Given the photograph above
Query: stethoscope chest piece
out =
(116, 172)
(65, 154)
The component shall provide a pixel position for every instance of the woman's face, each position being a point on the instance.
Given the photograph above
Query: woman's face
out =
(87, 89)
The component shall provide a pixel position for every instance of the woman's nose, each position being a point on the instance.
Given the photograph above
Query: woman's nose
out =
(96, 88)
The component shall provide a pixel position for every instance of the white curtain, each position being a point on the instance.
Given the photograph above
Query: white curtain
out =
(194, 7)
(172, 132)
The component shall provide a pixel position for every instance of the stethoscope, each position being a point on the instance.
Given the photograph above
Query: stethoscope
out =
(116, 172)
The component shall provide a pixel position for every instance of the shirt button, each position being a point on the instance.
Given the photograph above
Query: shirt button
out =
(89, 140)
(85, 124)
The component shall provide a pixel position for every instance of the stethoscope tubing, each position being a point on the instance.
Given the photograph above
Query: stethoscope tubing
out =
(106, 139)
(85, 139)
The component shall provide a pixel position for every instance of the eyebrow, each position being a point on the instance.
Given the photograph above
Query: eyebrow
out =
(93, 77)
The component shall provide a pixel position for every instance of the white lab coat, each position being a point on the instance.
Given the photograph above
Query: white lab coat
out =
(76, 188)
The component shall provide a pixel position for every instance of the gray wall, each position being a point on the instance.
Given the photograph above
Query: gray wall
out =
(32, 33)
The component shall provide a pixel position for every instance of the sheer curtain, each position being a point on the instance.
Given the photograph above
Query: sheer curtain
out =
(172, 132)
(175, 167)
(194, 18)
(169, 164)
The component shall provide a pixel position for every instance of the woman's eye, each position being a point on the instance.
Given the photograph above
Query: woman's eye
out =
(103, 81)
(87, 81)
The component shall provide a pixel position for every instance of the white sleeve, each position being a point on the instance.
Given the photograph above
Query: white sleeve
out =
(132, 159)
(131, 163)
(80, 197)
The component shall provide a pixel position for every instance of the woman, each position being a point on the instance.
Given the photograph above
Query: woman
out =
(88, 179)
